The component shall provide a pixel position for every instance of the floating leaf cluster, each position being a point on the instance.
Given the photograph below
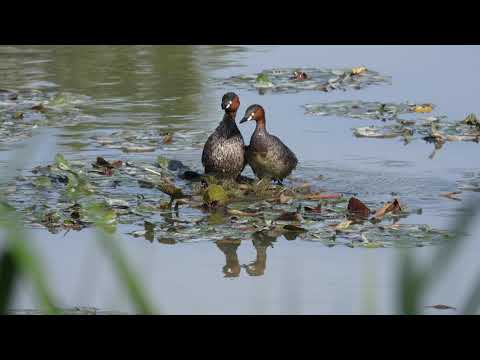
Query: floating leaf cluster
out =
(167, 207)
(26, 110)
(401, 120)
(295, 80)
(150, 140)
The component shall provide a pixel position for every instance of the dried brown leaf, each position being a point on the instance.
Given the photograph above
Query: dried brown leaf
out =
(357, 207)
(450, 195)
(168, 138)
(393, 207)
(290, 216)
(294, 228)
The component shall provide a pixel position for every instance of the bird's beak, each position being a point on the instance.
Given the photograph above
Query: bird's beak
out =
(227, 105)
(245, 119)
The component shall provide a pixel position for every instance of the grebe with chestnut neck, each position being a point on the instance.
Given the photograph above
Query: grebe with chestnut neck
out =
(267, 155)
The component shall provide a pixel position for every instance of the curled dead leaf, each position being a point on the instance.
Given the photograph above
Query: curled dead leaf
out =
(393, 207)
(357, 207)
(168, 138)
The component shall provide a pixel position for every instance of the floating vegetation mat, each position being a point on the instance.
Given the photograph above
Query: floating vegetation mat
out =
(169, 203)
(152, 139)
(401, 120)
(23, 111)
(372, 110)
(295, 80)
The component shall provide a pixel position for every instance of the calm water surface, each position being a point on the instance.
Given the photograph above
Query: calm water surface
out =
(174, 88)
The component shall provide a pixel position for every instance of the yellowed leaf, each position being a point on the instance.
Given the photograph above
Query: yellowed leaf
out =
(236, 212)
(343, 225)
(425, 108)
(358, 70)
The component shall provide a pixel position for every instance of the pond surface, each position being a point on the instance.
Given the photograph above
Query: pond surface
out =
(177, 89)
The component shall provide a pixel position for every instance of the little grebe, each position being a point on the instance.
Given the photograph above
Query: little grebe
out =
(267, 155)
(224, 152)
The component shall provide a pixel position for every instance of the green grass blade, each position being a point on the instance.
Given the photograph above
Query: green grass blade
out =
(8, 276)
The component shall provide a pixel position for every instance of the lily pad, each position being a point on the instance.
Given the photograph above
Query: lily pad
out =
(43, 181)
(263, 81)
(215, 194)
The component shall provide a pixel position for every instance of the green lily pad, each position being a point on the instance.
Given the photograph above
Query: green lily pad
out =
(43, 181)
(215, 194)
(262, 81)
(61, 163)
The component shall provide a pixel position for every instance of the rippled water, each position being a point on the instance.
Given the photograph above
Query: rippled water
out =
(147, 90)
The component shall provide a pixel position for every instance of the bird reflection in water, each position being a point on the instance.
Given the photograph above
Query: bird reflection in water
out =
(229, 248)
(261, 241)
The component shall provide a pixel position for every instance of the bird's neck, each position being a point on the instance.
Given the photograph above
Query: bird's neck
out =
(228, 123)
(260, 125)
(230, 116)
